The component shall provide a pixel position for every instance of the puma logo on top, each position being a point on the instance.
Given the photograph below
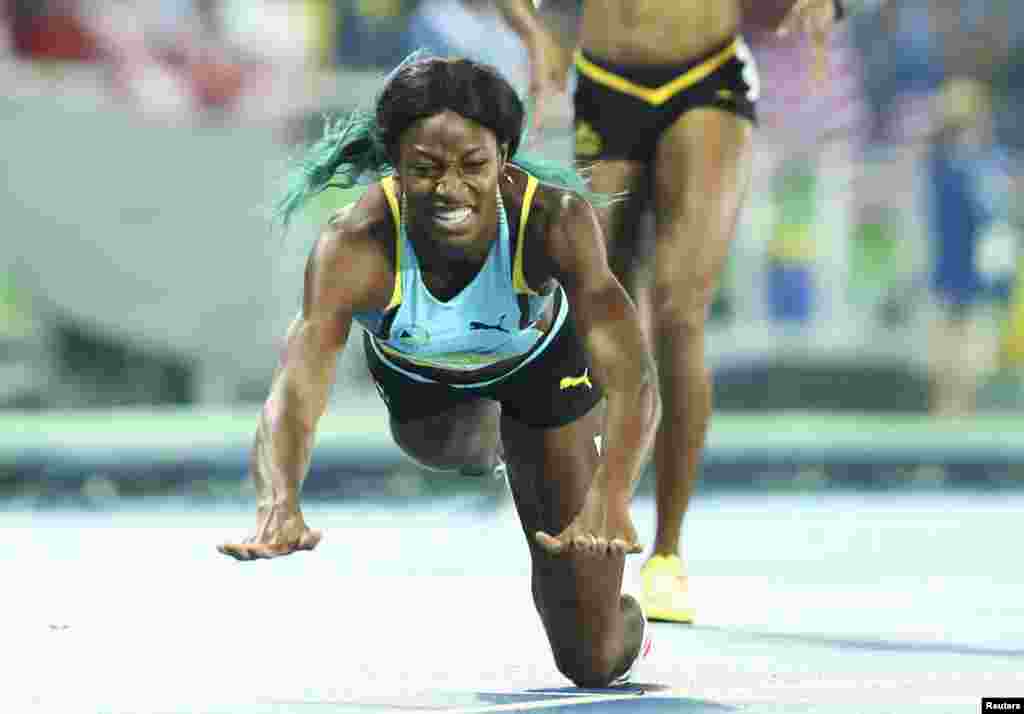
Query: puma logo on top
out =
(474, 325)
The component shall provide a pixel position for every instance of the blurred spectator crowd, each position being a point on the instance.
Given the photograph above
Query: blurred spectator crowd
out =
(177, 59)
(251, 59)
(233, 55)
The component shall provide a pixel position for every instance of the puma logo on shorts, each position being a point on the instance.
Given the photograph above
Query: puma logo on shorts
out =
(570, 382)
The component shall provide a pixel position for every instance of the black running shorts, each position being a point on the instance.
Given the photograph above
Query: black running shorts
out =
(556, 388)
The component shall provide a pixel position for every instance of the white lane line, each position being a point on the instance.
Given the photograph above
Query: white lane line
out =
(544, 704)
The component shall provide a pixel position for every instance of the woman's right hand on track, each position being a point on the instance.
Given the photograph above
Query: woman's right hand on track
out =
(603, 526)
(279, 531)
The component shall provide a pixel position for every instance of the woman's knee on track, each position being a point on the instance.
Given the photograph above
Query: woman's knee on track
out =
(586, 662)
(584, 654)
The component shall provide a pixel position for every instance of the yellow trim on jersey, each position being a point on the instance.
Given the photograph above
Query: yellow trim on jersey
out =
(655, 95)
(519, 283)
(388, 184)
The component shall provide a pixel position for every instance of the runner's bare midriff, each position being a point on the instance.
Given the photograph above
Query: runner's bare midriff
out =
(647, 32)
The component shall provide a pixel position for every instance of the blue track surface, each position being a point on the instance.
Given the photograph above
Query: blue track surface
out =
(820, 602)
(743, 449)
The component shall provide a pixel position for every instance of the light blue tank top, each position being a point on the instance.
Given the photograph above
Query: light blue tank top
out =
(492, 319)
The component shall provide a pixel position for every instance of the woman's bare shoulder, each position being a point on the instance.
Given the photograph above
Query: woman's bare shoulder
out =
(357, 246)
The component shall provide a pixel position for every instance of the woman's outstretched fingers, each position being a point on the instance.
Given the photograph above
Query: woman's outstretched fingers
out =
(620, 546)
(238, 551)
(254, 551)
(585, 543)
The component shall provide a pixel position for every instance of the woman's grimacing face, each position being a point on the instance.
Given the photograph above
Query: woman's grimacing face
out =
(448, 169)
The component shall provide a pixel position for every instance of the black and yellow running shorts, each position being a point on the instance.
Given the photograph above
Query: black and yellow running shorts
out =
(622, 110)
(555, 389)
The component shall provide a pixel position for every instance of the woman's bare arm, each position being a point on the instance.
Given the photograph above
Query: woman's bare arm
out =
(338, 280)
(610, 328)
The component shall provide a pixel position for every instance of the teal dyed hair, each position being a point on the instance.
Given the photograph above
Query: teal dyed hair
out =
(348, 151)
(362, 146)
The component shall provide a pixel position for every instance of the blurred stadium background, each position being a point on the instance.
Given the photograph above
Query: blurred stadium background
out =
(143, 291)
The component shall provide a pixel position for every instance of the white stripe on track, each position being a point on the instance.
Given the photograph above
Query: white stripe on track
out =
(544, 704)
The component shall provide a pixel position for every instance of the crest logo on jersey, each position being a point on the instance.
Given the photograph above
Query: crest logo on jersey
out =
(413, 335)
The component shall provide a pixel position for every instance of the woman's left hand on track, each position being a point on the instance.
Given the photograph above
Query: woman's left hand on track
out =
(602, 527)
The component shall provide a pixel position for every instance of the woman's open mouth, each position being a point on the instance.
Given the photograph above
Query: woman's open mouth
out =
(449, 218)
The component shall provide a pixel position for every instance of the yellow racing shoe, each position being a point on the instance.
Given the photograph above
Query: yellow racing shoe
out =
(665, 591)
